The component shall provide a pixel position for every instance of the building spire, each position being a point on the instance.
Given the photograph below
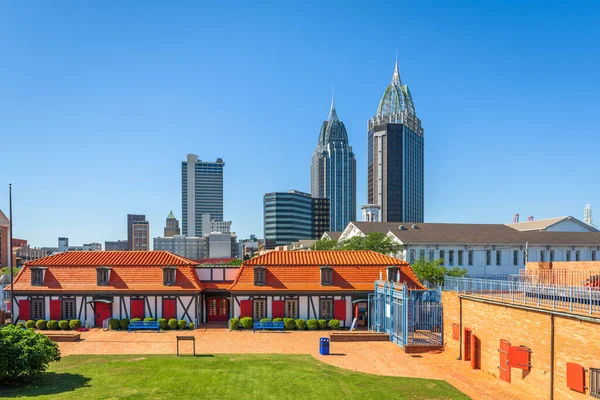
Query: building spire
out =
(396, 76)
(332, 113)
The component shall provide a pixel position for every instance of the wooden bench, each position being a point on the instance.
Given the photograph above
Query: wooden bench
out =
(144, 325)
(192, 338)
(268, 326)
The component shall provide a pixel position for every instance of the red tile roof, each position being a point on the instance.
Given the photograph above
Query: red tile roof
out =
(135, 271)
(301, 271)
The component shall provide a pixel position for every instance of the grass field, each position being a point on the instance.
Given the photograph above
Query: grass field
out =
(219, 377)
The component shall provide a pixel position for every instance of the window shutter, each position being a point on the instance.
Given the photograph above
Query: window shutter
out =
(576, 377)
(137, 308)
(278, 306)
(169, 309)
(25, 309)
(455, 331)
(518, 357)
(246, 308)
(55, 309)
(339, 310)
(504, 368)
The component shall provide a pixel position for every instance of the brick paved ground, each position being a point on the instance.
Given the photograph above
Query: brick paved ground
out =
(382, 358)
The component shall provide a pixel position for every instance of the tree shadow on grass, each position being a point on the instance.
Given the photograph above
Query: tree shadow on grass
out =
(46, 384)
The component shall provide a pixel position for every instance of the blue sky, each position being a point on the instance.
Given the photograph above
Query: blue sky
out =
(101, 101)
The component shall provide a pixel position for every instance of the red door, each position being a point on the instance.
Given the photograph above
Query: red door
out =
(218, 309)
(103, 312)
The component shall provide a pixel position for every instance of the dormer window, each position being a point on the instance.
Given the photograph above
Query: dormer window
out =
(259, 276)
(37, 276)
(169, 276)
(102, 275)
(326, 276)
(392, 273)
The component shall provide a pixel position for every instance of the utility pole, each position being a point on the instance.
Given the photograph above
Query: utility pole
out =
(10, 253)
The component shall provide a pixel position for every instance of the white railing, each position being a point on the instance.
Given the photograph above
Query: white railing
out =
(567, 277)
(89, 323)
(106, 324)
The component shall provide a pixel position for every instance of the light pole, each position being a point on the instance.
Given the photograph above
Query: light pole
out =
(10, 253)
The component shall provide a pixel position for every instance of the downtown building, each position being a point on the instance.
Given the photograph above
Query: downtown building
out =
(201, 193)
(395, 158)
(293, 215)
(333, 172)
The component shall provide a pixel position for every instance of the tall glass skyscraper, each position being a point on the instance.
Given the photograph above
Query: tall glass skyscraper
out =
(395, 156)
(201, 193)
(333, 172)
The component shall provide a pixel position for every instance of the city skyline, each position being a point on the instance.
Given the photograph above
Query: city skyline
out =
(487, 95)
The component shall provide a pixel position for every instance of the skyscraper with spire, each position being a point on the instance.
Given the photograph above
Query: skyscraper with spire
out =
(333, 171)
(395, 156)
(587, 215)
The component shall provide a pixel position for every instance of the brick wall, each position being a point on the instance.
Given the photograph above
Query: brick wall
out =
(575, 341)
(571, 265)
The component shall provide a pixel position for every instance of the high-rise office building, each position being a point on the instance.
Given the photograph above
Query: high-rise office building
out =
(116, 245)
(201, 193)
(293, 215)
(141, 236)
(395, 156)
(131, 218)
(333, 172)
(172, 226)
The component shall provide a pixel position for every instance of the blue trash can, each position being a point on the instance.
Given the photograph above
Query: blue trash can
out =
(324, 347)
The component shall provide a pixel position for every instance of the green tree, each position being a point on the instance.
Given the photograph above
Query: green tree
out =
(433, 272)
(6, 270)
(375, 241)
(324, 244)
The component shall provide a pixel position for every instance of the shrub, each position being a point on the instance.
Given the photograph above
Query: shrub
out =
(191, 325)
(289, 324)
(300, 324)
(322, 324)
(312, 324)
(52, 325)
(247, 323)
(24, 353)
(63, 325)
(30, 324)
(234, 324)
(334, 324)
(265, 320)
(21, 325)
(41, 325)
(277, 319)
(75, 324)
(182, 324)
(115, 324)
(124, 323)
(172, 323)
(149, 320)
(162, 323)
(135, 320)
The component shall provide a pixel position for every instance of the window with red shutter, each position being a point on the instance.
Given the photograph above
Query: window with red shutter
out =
(576, 377)
(277, 306)
(518, 357)
(169, 308)
(24, 309)
(455, 331)
(137, 308)
(55, 307)
(246, 308)
(339, 310)
(504, 367)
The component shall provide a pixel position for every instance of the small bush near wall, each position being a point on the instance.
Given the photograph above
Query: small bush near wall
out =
(234, 324)
(247, 323)
(191, 325)
(21, 325)
(289, 324)
(75, 324)
(30, 324)
(63, 325)
(135, 320)
(277, 319)
(24, 353)
(124, 323)
(334, 324)
(322, 324)
(265, 320)
(52, 325)
(115, 324)
(312, 324)
(163, 323)
(172, 323)
(149, 320)
(300, 324)
(41, 325)
(182, 324)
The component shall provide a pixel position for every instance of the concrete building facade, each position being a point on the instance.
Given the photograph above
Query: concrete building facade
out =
(172, 226)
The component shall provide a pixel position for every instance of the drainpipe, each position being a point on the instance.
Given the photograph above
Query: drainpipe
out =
(551, 356)
(460, 324)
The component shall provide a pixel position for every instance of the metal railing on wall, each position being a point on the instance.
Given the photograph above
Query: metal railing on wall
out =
(566, 277)
(572, 298)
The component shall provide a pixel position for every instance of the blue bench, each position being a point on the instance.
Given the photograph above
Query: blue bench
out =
(268, 326)
(144, 326)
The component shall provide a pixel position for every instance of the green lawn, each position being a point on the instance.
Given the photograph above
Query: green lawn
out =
(219, 377)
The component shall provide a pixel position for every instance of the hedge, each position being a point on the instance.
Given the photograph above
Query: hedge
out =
(115, 324)
(41, 325)
(124, 323)
(322, 324)
(63, 325)
(75, 324)
(135, 320)
(247, 323)
(277, 319)
(191, 325)
(30, 324)
(289, 324)
(52, 325)
(149, 320)
(172, 323)
(334, 324)
(312, 324)
(234, 324)
(182, 324)
(163, 323)
(300, 324)
(265, 320)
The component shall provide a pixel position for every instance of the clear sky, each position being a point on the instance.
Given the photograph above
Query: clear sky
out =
(101, 101)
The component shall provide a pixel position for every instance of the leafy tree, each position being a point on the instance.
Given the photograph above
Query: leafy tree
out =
(433, 272)
(324, 244)
(6, 270)
(24, 353)
(375, 241)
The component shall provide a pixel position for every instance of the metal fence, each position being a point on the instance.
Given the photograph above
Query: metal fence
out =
(571, 298)
(4, 298)
(410, 317)
(567, 277)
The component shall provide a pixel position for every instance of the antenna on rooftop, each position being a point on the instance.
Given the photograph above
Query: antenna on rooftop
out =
(515, 218)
